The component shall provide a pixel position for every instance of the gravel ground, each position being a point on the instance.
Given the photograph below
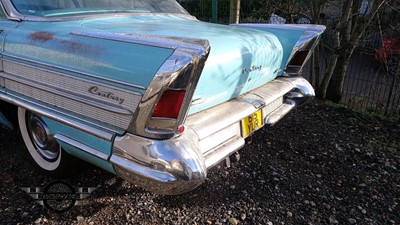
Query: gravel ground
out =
(319, 165)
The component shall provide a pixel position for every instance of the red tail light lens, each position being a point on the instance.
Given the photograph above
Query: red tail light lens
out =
(299, 58)
(169, 104)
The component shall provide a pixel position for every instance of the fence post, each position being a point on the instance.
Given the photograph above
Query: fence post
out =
(214, 13)
(234, 13)
(392, 92)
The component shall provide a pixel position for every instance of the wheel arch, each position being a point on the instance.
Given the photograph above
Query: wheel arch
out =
(8, 114)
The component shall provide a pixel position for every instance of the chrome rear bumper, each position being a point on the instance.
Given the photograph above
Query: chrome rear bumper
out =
(180, 164)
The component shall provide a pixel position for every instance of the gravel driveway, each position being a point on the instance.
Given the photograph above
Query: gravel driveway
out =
(320, 165)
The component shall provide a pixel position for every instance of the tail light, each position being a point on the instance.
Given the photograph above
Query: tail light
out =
(299, 58)
(164, 106)
(169, 104)
(296, 64)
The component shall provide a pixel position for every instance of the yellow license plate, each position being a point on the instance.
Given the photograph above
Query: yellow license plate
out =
(252, 122)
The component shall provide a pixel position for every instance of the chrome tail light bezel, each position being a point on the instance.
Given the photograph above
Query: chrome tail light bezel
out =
(307, 43)
(181, 71)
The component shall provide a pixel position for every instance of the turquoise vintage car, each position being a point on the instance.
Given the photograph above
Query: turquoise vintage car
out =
(142, 89)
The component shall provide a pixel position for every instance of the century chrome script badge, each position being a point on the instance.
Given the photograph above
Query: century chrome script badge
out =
(95, 90)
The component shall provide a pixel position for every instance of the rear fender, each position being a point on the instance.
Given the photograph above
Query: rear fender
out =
(295, 39)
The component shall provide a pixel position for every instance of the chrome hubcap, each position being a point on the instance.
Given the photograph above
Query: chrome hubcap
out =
(41, 137)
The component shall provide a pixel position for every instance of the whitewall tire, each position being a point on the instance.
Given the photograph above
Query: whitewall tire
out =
(46, 153)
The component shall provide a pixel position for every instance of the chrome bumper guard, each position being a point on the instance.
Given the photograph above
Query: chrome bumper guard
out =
(180, 164)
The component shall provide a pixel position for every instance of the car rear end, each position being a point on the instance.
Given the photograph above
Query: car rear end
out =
(171, 149)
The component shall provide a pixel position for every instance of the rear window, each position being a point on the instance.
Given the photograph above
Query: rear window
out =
(54, 8)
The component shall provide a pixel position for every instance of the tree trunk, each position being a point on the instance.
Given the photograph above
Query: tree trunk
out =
(315, 68)
(234, 11)
(335, 87)
(321, 92)
(350, 33)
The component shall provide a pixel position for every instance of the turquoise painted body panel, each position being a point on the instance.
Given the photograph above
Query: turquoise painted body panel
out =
(89, 140)
(287, 38)
(240, 60)
(52, 43)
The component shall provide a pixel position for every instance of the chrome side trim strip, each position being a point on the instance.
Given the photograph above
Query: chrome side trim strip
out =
(81, 146)
(85, 111)
(65, 94)
(7, 57)
(75, 123)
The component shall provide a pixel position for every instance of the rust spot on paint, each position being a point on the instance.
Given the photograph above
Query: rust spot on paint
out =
(66, 45)
(41, 36)
(79, 47)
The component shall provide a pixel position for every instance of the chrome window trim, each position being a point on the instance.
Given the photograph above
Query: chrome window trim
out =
(3, 10)
(10, 11)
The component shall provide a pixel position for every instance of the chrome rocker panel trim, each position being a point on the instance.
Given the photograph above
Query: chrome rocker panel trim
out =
(81, 146)
(177, 165)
